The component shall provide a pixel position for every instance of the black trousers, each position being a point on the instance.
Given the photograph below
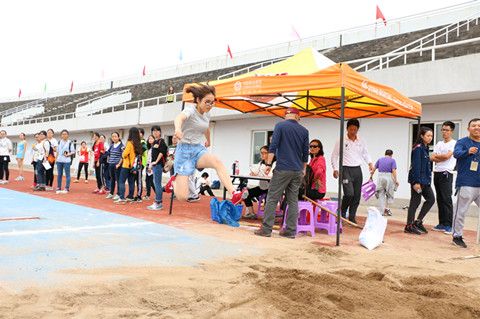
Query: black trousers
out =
(139, 182)
(416, 198)
(352, 187)
(34, 164)
(79, 170)
(314, 194)
(149, 184)
(254, 192)
(49, 175)
(443, 188)
(207, 189)
(4, 171)
(114, 176)
(99, 175)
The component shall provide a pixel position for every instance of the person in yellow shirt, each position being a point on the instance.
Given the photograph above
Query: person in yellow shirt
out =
(131, 162)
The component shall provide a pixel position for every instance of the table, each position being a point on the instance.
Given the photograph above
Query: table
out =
(234, 177)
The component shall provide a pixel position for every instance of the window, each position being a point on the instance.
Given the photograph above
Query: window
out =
(259, 139)
(14, 148)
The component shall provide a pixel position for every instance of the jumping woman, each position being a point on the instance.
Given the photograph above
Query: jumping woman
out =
(193, 132)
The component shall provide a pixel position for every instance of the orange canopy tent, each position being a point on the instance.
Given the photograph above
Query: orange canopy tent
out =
(318, 87)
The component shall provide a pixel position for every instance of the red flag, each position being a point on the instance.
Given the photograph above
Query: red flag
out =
(380, 15)
(229, 51)
(71, 87)
(144, 70)
(19, 92)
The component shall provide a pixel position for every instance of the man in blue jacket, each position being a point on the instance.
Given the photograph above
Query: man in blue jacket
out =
(468, 178)
(290, 144)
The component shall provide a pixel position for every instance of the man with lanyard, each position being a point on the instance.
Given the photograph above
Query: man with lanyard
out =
(290, 144)
(354, 154)
(443, 177)
(468, 178)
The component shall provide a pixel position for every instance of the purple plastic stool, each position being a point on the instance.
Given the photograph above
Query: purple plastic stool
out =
(368, 190)
(304, 208)
(261, 199)
(324, 220)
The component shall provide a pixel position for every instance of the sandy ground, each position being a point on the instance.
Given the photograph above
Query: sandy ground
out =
(406, 277)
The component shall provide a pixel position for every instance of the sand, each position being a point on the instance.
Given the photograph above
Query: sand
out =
(406, 277)
(301, 278)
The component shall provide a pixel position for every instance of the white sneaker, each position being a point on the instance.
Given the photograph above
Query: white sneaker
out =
(48, 188)
(59, 191)
(109, 196)
(116, 197)
(155, 206)
(19, 178)
(65, 191)
(120, 201)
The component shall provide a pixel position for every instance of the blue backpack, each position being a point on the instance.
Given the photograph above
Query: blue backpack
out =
(225, 212)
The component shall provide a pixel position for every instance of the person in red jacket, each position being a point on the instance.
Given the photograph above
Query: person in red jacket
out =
(98, 150)
(318, 188)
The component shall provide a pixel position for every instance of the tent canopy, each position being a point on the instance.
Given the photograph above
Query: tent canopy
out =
(312, 83)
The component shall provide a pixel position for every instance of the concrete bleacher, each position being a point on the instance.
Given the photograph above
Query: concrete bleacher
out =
(67, 103)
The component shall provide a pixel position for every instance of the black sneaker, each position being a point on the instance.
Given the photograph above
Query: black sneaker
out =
(419, 225)
(193, 199)
(260, 232)
(458, 241)
(286, 234)
(411, 229)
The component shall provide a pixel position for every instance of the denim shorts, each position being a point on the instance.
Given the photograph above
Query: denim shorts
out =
(186, 158)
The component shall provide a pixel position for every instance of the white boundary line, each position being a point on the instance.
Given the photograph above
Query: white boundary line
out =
(72, 229)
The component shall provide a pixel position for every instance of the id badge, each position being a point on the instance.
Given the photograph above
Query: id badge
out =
(474, 166)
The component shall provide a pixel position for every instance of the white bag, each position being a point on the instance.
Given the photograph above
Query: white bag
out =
(374, 230)
(47, 165)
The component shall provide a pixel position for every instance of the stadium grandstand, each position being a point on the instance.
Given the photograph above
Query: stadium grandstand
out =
(428, 49)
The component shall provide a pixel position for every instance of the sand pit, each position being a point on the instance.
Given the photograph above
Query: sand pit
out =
(406, 277)
(284, 282)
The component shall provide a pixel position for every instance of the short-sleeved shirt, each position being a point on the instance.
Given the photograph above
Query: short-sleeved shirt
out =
(443, 148)
(158, 147)
(53, 142)
(98, 150)
(64, 146)
(386, 164)
(194, 126)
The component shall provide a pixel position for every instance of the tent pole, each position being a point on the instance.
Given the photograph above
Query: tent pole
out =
(340, 162)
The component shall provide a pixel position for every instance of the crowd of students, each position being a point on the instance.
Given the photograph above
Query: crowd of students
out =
(284, 161)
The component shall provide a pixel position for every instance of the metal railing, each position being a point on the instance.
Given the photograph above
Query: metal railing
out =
(23, 107)
(102, 97)
(249, 68)
(159, 100)
(431, 39)
(368, 32)
(393, 56)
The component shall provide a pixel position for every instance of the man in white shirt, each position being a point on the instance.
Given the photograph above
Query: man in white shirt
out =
(443, 177)
(5, 151)
(355, 153)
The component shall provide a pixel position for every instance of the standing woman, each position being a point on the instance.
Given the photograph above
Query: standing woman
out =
(318, 188)
(41, 151)
(114, 160)
(21, 149)
(83, 153)
(149, 172)
(33, 152)
(64, 161)
(132, 150)
(192, 129)
(53, 145)
(420, 178)
(98, 150)
(5, 151)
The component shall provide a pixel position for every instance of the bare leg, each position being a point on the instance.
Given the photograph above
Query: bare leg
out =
(212, 161)
(180, 187)
(20, 166)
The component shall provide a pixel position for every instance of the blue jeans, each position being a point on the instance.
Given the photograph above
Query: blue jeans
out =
(40, 170)
(114, 177)
(60, 168)
(124, 176)
(157, 182)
